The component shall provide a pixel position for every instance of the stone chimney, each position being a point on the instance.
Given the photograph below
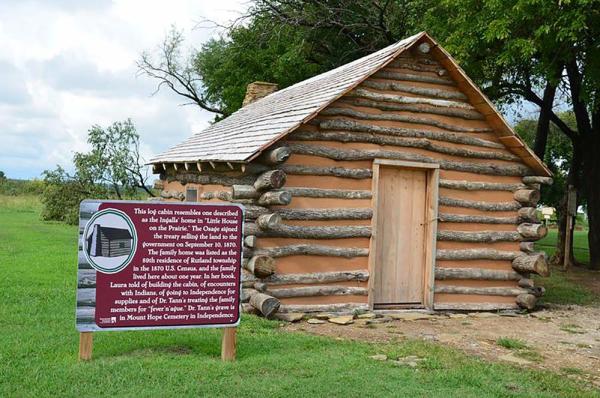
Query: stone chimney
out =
(257, 90)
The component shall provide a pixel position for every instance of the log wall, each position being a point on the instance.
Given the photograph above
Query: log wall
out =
(319, 221)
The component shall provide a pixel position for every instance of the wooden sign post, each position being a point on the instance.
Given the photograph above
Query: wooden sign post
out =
(145, 265)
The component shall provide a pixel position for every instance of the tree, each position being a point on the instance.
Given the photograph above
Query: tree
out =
(2, 177)
(111, 169)
(282, 42)
(540, 52)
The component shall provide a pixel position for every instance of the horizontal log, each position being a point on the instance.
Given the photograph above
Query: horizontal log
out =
(528, 214)
(327, 171)
(538, 180)
(253, 211)
(244, 192)
(421, 143)
(370, 154)
(267, 305)
(476, 254)
(528, 197)
(531, 263)
(412, 64)
(464, 218)
(267, 221)
(479, 205)
(474, 306)
(212, 179)
(313, 291)
(312, 232)
(260, 266)
(531, 231)
(401, 99)
(407, 88)
(328, 193)
(479, 186)
(272, 179)
(333, 308)
(317, 277)
(248, 278)
(476, 274)
(275, 155)
(246, 294)
(486, 291)
(86, 278)
(481, 236)
(527, 247)
(417, 108)
(404, 118)
(385, 74)
(526, 301)
(326, 214)
(275, 198)
(172, 195)
(526, 283)
(221, 195)
(247, 308)
(312, 250)
(351, 125)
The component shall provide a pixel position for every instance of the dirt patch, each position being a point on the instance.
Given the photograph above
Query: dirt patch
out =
(564, 339)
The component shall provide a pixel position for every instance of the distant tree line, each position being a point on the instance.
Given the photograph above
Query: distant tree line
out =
(545, 53)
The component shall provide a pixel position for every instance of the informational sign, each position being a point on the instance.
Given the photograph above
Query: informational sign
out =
(158, 265)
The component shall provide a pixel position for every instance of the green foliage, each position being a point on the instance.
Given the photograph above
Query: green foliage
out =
(280, 42)
(39, 347)
(111, 169)
(12, 187)
(558, 155)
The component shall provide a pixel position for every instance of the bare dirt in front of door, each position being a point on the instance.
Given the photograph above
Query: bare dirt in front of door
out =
(564, 339)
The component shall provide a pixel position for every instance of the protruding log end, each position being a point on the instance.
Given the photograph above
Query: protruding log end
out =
(538, 180)
(272, 179)
(531, 231)
(527, 196)
(528, 214)
(526, 283)
(250, 241)
(246, 294)
(532, 263)
(275, 198)
(276, 155)
(527, 247)
(424, 48)
(261, 266)
(526, 301)
(266, 304)
(268, 221)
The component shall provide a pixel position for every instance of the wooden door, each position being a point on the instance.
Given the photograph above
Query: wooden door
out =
(401, 234)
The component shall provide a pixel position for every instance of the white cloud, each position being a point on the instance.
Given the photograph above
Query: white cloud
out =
(68, 64)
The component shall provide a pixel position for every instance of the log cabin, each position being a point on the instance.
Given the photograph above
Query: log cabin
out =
(389, 183)
(109, 242)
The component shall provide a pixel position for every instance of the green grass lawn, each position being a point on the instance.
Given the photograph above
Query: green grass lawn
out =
(38, 345)
(580, 245)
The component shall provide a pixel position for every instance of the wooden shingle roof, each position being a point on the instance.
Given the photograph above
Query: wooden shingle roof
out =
(251, 129)
(242, 136)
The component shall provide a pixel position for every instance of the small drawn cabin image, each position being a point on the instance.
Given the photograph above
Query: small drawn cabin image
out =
(109, 242)
(388, 183)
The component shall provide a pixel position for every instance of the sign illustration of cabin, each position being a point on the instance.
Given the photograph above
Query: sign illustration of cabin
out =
(390, 182)
(109, 242)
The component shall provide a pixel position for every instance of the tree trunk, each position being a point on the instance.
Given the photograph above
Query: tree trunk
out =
(591, 175)
(543, 125)
(572, 179)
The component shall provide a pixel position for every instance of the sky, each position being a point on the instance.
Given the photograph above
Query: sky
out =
(66, 65)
